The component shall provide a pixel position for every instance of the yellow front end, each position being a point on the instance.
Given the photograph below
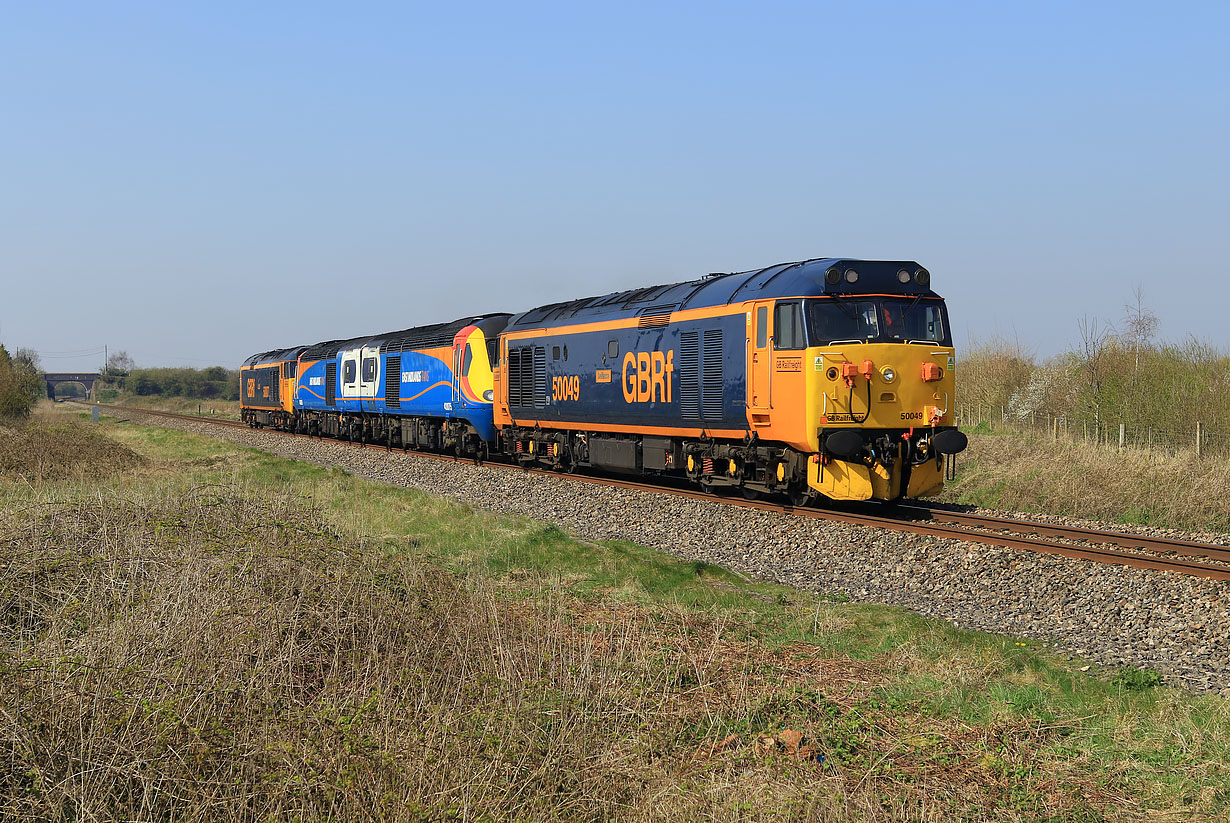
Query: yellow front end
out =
(877, 388)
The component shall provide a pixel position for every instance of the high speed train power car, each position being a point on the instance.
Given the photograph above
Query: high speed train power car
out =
(827, 378)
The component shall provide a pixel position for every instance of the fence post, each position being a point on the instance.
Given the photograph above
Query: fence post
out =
(1199, 439)
(1055, 431)
(1120, 437)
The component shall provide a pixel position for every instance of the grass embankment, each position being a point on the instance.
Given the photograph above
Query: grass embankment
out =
(1031, 473)
(221, 634)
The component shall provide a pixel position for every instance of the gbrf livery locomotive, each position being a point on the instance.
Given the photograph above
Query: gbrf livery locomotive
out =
(820, 379)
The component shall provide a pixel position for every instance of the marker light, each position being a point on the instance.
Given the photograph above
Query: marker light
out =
(903, 276)
(888, 374)
(851, 276)
(922, 277)
(833, 276)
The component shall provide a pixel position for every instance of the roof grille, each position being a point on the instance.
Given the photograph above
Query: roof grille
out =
(655, 316)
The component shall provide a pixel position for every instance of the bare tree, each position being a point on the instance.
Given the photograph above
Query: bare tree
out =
(28, 358)
(1093, 355)
(120, 364)
(1139, 325)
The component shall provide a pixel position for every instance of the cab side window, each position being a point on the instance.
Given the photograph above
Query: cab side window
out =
(369, 369)
(348, 371)
(788, 326)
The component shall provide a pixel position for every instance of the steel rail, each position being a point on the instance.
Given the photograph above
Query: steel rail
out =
(921, 520)
(1127, 540)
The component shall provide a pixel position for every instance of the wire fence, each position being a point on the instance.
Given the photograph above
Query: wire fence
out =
(1197, 438)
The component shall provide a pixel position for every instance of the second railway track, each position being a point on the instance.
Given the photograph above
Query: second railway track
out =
(1101, 546)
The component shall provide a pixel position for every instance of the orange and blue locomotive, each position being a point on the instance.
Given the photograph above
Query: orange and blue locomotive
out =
(826, 378)
(823, 378)
(267, 387)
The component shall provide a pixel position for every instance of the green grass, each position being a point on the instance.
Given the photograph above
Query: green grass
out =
(910, 713)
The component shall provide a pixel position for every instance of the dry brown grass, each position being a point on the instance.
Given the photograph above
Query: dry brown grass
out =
(227, 409)
(1028, 472)
(54, 447)
(208, 654)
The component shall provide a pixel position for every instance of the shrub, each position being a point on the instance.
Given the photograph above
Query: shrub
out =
(20, 386)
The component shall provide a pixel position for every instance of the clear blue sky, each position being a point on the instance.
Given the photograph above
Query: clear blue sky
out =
(196, 182)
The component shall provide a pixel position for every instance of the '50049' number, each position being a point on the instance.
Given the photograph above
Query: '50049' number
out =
(566, 388)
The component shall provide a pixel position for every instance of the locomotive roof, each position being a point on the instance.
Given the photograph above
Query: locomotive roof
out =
(805, 278)
(275, 356)
(418, 337)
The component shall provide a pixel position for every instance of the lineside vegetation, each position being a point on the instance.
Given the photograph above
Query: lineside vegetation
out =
(21, 384)
(1044, 434)
(212, 383)
(1113, 375)
(218, 634)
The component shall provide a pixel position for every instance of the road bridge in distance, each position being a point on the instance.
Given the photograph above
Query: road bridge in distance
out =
(84, 378)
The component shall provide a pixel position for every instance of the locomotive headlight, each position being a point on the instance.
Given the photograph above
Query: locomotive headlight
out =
(851, 276)
(833, 276)
(903, 276)
(888, 374)
(489, 395)
(922, 277)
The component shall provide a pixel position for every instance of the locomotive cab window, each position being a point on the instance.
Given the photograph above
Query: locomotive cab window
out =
(788, 326)
(467, 359)
(369, 369)
(887, 320)
(913, 320)
(348, 371)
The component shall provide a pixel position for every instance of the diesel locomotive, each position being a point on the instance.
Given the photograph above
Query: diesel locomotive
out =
(821, 379)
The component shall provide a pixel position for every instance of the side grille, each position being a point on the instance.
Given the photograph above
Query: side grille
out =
(331, 384)
(514, 377)
(527, 377)
(392, 383)
(526, 372)
(711, 388)
(689, 376)
(540, 377)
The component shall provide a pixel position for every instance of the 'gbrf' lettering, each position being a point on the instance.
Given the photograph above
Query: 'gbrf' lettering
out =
(566, 388)
(648, 376)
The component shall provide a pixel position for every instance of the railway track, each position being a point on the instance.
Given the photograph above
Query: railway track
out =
(1101, 546)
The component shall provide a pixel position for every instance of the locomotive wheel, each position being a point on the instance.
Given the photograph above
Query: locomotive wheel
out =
(750, 494)
(802, 498)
